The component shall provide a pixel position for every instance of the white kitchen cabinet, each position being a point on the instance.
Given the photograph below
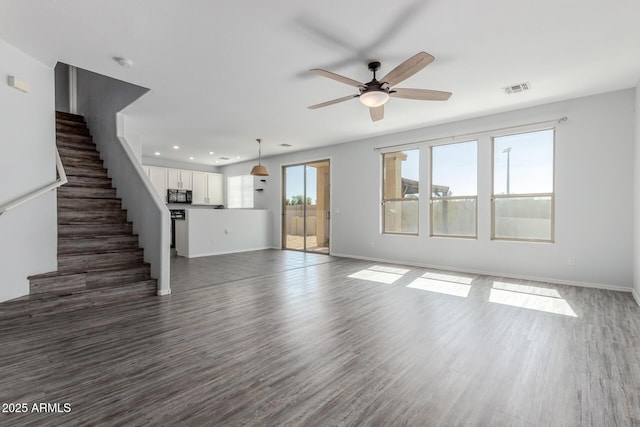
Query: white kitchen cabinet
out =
(158, 178)
(179, 179)
(200, 194)
(214, 188)
(207, 188)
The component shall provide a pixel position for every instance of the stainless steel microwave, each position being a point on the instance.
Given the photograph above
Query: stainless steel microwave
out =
(179, 196)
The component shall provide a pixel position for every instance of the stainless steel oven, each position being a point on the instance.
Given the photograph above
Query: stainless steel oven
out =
(176, 215)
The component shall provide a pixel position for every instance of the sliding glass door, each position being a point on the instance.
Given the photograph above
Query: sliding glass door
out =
(305, 207)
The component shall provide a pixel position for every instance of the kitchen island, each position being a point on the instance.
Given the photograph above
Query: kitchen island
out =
(207, 232)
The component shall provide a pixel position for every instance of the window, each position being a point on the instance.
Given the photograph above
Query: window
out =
(523, 198)
(400, 192)
(240, 191)
(454, 189)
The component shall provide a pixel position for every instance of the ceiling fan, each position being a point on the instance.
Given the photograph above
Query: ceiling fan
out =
(376, 93)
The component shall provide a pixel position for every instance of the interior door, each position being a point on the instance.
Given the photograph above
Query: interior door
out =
(306, 207)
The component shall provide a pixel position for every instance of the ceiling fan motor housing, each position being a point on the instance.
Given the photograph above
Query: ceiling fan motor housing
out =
(374, 94)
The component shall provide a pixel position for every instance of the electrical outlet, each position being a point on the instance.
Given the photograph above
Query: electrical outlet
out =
(571, 260)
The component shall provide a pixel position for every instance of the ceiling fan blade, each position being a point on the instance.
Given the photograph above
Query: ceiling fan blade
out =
(377, 113)
(337, 77)
(333, 101)
(408, 68)
(421, 94)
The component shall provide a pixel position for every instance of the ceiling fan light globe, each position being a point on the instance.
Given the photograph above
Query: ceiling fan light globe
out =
(374, 98)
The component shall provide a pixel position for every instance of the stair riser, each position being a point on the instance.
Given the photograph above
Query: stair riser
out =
(85, 262)
(62, 129)
(89, 182)
(103, 279)
(58, 285)
(70, 152)
(46, 304)
(68, 191)
(75, 141)
(120, 276)
(71, 123)
(91, 217)
(84, 163)
(107, 243)
(79, 230)
(84, 171)
(69, 117)
(92, 204)
(77, 145)
(65, 122)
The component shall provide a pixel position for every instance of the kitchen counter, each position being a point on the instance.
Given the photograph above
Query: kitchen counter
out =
(207, 232)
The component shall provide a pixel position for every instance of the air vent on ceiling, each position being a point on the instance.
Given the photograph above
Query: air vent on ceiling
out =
(520, 87)
(224, 158)
(286, 145)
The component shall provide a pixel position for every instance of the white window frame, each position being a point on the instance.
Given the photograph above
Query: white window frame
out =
(551, 195)
(402, 200)
(447, 198)
(246, 189)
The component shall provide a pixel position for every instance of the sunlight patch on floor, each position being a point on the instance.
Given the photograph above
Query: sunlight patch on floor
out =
(380, 274)
(531, 298)
(449, 284)
(448, 278)
(526, 289)
(385, 269)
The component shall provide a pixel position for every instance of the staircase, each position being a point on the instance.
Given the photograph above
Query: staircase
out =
(99, 261)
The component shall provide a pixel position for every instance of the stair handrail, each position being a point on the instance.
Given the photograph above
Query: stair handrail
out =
(60, 181)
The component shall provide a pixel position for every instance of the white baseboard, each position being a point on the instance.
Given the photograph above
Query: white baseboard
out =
(635, 296)
(163, 292)
(496, 274)
(227, 252)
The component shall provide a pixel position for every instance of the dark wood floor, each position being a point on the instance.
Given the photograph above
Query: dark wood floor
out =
(287, 338)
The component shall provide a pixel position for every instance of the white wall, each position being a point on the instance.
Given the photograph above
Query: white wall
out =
(215, 231)
(594, 187)
(28, 241)
(167, 163)
(61, 71)
(100, 99)
(636, 198)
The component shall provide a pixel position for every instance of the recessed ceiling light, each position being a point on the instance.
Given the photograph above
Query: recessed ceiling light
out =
(157, 153)
(175, 147)
(217, 161)
(237, 157)
(210, 152)
(190, 158)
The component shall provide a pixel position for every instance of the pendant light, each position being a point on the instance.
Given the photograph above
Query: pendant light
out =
(259, 169)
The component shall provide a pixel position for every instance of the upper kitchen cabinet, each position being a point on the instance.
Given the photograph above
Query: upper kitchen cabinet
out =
(207, 188)
(179, 179)
(214, 188)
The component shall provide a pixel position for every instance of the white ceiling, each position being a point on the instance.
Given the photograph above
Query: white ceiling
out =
(223, 73)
